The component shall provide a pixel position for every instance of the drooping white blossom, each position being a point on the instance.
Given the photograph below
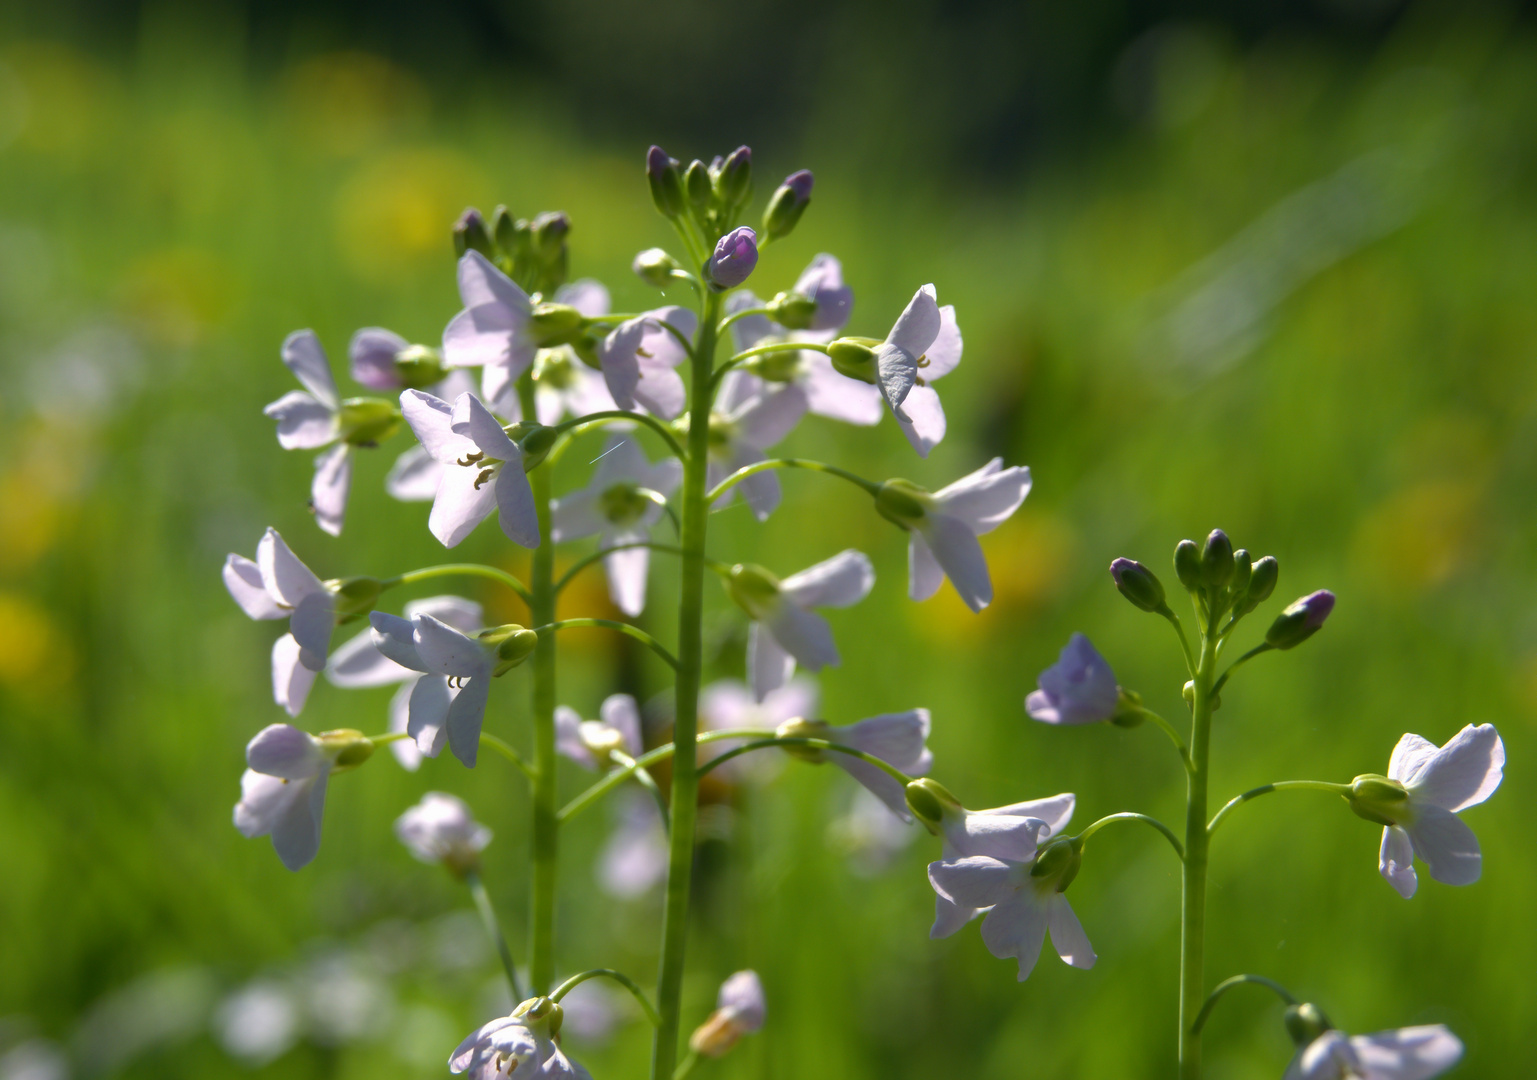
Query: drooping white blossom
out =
(748, 419)
(494, 332)
(441, 829)
(740, 1009)
(1436, 784)
(1411, 1053)
(482, 469)
(283, 791)
(278, 586)
(639, 358)
(785, 630)
(924, 344)
(590, 742)
(521, 1046)
(899, 739)
(1079, 688)
(416, 474)
(620, 505)
(310, 419)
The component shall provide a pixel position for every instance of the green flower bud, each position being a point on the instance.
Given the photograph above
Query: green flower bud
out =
(778, 367)
(929, 800)
(800, 728)
(1059, 863)
(419, 366)
(535, 440)
(792, 310)
(555, 324)
(901, 503)
(355, 595)
(470, 234)
(1262, 582)
(1187, 565)
(1301, 620)
(1306, 1022)
(854, 357)
(1378, 799)
(550, 230)
(655, 267)
(696, 183)
(541, 1012)
(734, 182)
(504, 230)
(1128, 708)
(786, 205)
(665, 181)
(1243, 569)
(1138, 584)
(513, 643)
(1217, 561)
(367, 421)
(347, 747)
(753, 589)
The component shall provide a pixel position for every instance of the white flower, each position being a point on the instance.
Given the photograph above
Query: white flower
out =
(740, 1009)
(590, 742)
(257, 1023)
(278, 586)
(415, 475)
(1079, 688)
(896, 738)
(1411, 1053)
(517, 1047)
(620, 504)
(283, 792)
(943, 527)
(634, 858)
(747, 419)
(785, 631)
(1419, 810)
(487, 469)
(358, 663)
(441, 829)
(639, 356)
(494, 331)
(309, 421)
(727, 704)
(924, 344)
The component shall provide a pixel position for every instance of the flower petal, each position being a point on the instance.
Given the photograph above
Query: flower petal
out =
(1017, 928)
(1395, 861)
(432, 422)
(1012, 838)
(576, 515)
(840, 581)
(896, 373)
(924, 574)
(663, 345)
(405, 750)
(304, 357)
(427, 718)
(974, 881)
(822, 281)
(768, 665)
(243, 579)
(414, 477)
(311, 624)
(956, 549)
(395, 638)
(464, 615)
(627, 571)
(768, 418)
(446, 651)
(465, 717)
(460, 505)
(618, 361)
(286, 579)
(1067, 935)
(836, 396)
(482, 283)
(945, 353)
(922, 419)
(749, 330)
(372, 351)
(661, 391)
(284, 751)
(303, 422)
(328, 491)
(515, 505)
(918, 325)
(474, 421)
(760, 491)
(949, 917)
(586, 295)
(803, 634)
(358, 663)
(986, 498)
(1447, 845)
(620, 712)
(296, 831)
(1462, 773)
(896, 738)
(568, 737)
(291, 679)
(1411, 1053)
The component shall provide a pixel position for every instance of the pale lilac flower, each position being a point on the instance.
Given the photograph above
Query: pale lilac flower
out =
(621, 504)
(518, 1047)
(740, 1009)
(310, 419)
(494, 331)
(924, 344)
(1079, 688)
(1411, 1053)
(942, 535)
(283, 792)
(562, 383)
(358, 663)
(728, 704)
(590, 742)
(416, 474)
(482, 469)
(278, 586)
(868, 834)
(639, 356)
(734, 259)
(634, 859)
(896, 738)
(785, 631)
(1430, 785)
(441, 829)
(746, 421)
(258, 1023)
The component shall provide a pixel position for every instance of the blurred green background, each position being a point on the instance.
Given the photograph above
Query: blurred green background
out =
(1268, 267)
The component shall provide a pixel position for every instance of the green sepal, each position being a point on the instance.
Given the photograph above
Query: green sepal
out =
(367, 421)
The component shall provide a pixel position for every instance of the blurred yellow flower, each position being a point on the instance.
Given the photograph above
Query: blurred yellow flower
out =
(1028, 557)
(1418, 537)
(58, 102)
(396, 213)
(175, 296)
(29, 642)
(344, 103)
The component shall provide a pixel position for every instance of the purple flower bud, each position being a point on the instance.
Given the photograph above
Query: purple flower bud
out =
(658, 162)
(1138, 584)
(1317, 607)
(666, 182)
(470, 234)
(799, 184)
(1300, 620)
(787, 204)
(1079, 688)
(736, 254)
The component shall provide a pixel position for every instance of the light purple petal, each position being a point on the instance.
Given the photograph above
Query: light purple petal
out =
(803, 634)
(620, 712)
(896, 373)
(822, 281)
(482, 283)
(768, 665)
(620, 365)
(768, 418)
(986, 498)
(414, 477)
(432, 422)
(1463, 773)
(1067, 935)
(924, 425)
(661, 391)
(303, 422)
(924, 574)
(742, 993)
(1411, 1053)
(955, 548)
(405, 750)
(586, 295)
(1017, 928)
(328, 491)
(1395, 861)
(311, 625)
(284, 751)
(446, 651)
(460, 505)
(515, 505)
(474, 421)
(304, 357)
(243, 579)
(427, 716)
(291, 680)
(918, 325)
(840, 581)
(1446, 844)
(945, 353)
(372, 352)
(837, 396)
(285, 578)
(358, 663)
(465, 717)
(395, 638)
(627, 571)
(576, 515)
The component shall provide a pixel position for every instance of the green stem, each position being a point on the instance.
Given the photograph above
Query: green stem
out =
(815, 744)
(646, 780)
(411, 577)
(1168, 833)
(1238, 980)
(1193, 884)
(548, 629)
(689, 665)
(1262, 647)
(686, 1066)
(1179, 630)
(1168, 729)
(546, 827)
(789, 463)
(763, 350)
(597, 556)
(387, 738)
(619, 977)
(494, 928)
(650, 757)
(615, 416)
(1265, 789)
(506, 750)
(736, 315)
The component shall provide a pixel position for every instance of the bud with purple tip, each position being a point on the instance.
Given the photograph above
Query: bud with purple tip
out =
(1138, 584)
(735, 179)
(1300, 621)
(470, 234)
(666, 182)
(700, 191)
(787, 204)
(736, 254)
(1217, 561)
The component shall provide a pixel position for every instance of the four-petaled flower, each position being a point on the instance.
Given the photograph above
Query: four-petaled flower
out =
(518, 1047)
(278, 586)
(483, 469)
(924, 344)
(638, 358)
(590, 742)
(283, 792)
(621, 504)
(740, 1009)
(896, 738)
(745, 422)
(785, 631)
(441, 829)
(1079, 688)
(1411, 1053)
(494, 332)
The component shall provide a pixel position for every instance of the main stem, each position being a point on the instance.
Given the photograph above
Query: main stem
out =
(685, 774)
(546, 830)
(1192, 947)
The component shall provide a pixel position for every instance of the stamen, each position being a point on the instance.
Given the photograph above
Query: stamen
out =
(923, 361)
(470, 459)
(643, 352)
(484, 476)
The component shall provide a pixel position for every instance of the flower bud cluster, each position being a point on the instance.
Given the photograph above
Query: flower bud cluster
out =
(532, 253)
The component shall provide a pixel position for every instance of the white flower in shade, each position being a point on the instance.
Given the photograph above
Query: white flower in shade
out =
(1418, 801)
(483, 469)
(748, 418)
(441, 829)
(828, 393)
(278, 586)
(740, 1009)
(639, 358)
(633, 860)
(943, 527)
(518, 1047)
(423, 643)
(310, 419)
(1411, 1053)
(358, 663)
(924, 344)
(896, 738)
(590, 742)
(416, 474)
(785, 631)
(868, 834)
(727, 704)
(283, 792)
(494, 332)
(621, 503)
(1079, 688)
